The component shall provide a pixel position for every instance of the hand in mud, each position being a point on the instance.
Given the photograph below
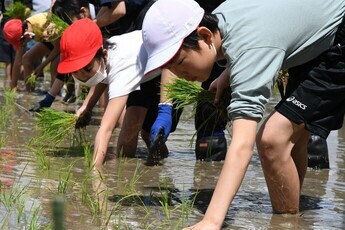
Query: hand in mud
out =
(84, 119)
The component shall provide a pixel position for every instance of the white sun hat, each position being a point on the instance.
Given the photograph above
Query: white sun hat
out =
(165, 26)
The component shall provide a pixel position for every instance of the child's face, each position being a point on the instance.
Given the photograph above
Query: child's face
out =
(89, 70)
(193, 65)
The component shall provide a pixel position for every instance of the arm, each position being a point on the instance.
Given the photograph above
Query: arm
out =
(236, 162)
(108, 15)
(111, 116)
(52, 55)
(167, 78)
(17, 67)
(164, 117)
(92, 98)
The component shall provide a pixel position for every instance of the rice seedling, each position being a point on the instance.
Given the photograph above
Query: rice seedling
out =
(18, 10)
(34, 224)
(165, 202)
(186, 207)
(31, 80)
(183, 93)
(56, 26)
(10, 96)
(64, 180)
(138, 173)
(55, 126)
(88, 155)
(41, 158)
(6, 111)
(2, 141)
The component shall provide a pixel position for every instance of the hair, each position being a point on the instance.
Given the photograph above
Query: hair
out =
(99, 55)
(68, 9)
(210, 21)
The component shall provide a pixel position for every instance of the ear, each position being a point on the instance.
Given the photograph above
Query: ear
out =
(105, 53)
(85, 13)
(205, 34)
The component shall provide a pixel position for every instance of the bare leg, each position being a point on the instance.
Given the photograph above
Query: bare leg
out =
(299, 155)
(275, 141)
(8, 70)
(30, 58)
(132, 123)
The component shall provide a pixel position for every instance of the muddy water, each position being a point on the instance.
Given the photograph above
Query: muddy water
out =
(179, 177)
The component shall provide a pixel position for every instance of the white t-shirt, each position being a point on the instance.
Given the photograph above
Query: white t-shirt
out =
(126, 61)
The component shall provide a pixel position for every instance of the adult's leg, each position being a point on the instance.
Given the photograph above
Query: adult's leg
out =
(281, 145)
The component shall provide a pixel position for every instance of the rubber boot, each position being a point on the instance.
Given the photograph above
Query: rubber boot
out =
(211, 148)
(317, 153)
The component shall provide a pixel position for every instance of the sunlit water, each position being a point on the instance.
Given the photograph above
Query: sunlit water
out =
(179, 176)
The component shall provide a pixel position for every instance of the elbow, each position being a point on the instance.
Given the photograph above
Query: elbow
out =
(119, 11)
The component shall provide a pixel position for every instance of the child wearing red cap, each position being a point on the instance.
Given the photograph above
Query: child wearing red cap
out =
(119, 67)
(257, 39)
(18, 34)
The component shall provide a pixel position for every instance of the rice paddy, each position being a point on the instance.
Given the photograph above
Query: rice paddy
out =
(45, 185)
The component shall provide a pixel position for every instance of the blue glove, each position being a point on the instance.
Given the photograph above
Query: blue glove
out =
(46, 102)
(163, 121)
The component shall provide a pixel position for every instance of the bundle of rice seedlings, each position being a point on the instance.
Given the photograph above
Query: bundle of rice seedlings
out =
(56, 26)
(18, 10)
(55, 126)
(183, 93)
(31, 80)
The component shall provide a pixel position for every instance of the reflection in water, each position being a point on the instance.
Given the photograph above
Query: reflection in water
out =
(179, 177)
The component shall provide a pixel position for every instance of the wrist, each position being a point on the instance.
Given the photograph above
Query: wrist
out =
(165, 103)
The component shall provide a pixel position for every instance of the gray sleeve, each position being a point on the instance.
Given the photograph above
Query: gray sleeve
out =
(252, 75)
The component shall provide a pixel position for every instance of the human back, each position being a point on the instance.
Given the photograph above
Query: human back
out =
(301, 33)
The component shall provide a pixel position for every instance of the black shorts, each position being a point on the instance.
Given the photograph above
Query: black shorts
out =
(63, 77)
(315, 93)
(49, 45)
(7, 53)
(149, 97)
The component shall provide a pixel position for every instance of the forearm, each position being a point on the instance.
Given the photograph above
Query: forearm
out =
(167, 77)
(109, 120)
(107, 15)
(94, 95)
(101, 145)
(16, 70)
(233, 171)
(52, 55)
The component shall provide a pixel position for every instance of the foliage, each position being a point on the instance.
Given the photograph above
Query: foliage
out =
(18, 10)
(56, 26)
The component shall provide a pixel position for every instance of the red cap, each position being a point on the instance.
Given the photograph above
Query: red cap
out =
(78, 45)
(13, 30)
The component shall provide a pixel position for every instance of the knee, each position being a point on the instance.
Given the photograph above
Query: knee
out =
(26, 61)
(268, 147)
